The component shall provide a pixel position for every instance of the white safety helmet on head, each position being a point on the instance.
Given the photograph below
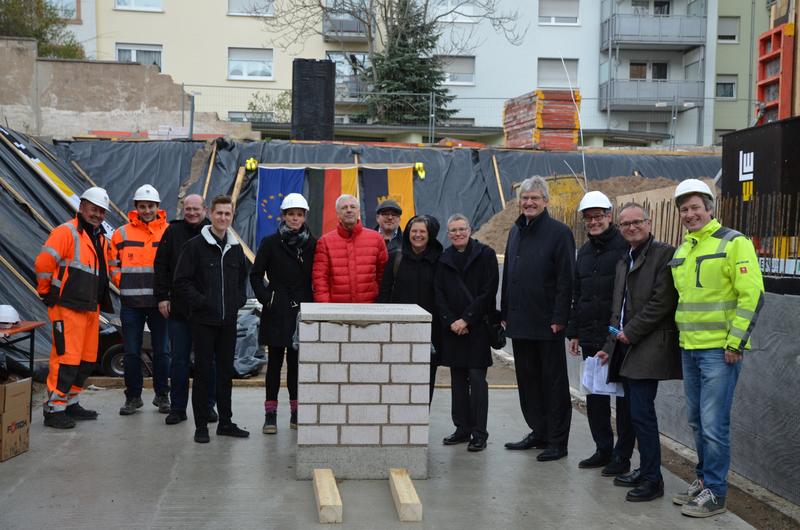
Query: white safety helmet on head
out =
(146, 193)
(8, 316)
(294, 200)
(594, 199)
(690, 186)
(96, 196)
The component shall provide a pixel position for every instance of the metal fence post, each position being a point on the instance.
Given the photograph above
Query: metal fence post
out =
(191, 117)
(183, 103)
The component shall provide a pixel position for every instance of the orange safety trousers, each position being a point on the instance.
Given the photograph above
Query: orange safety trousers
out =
(75, 335)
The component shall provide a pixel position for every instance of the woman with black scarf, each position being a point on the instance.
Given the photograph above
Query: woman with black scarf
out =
(285, 258)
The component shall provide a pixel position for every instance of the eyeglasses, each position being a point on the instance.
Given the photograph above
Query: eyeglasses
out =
(457, 230)
(636, 222)
(590, 218)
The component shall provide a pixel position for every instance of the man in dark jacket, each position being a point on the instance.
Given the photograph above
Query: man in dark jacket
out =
(175, 310)
(387, 215)
(536, 296)
(646, 348)
(587, 330)
(211, 276)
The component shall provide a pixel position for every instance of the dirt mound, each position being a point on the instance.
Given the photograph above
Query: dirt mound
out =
(494, 232)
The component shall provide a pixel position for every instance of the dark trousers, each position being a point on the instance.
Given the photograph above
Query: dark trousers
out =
(180, 343)
(642, 400)
(212, 343)
(470, 406)
(543, 386)
(133, 320)
(598, 411)
(273, 377)
(434, 365)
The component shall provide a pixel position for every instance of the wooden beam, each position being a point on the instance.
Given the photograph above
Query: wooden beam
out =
(92, 182)
(406, 500)
(19, 276)
(237, 186)
(245, 247)
(210, 167)
(499, 185)
(326, 493)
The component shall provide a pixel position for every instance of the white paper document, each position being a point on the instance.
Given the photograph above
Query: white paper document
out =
(595, 375)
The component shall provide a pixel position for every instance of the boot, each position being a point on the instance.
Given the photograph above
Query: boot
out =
(78, 413)
(270, 423)
(162, 402)
(58, 420)
(130, 406)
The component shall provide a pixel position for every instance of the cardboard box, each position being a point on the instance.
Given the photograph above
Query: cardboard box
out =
(15, 410)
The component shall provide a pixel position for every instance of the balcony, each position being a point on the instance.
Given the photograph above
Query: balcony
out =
(350, 88)
(343, 28)
(673, 32)
(634, 94)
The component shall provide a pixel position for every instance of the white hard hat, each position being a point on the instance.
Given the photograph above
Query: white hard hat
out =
(692, 186)
(96, 196)
(294, 200)
(8, 316)
(146, 193)
(594, 199)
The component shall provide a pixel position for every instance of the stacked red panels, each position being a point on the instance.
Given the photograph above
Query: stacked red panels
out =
(775, 68)
(543, 119)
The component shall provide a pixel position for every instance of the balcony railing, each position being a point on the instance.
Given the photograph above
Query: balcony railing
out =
(350, 88)
(634, 94)
(343, 28)
(679, 31)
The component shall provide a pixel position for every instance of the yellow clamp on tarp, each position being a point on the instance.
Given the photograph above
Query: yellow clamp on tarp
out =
(251, 164)
(419, 167)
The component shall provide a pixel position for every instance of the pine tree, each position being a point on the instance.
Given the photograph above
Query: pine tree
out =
(406, 72)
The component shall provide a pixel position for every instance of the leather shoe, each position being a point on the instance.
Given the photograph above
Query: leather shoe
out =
(646, 491)
(598, 459)
(476, 444)
(617, 466)
(629, 480)
(231, 429)
(201, 435)
(552, 453)
(456, 438)
(529, 442)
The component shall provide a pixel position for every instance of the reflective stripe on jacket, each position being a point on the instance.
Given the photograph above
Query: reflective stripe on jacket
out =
(134, 247)
(67, 268)
(720, 288)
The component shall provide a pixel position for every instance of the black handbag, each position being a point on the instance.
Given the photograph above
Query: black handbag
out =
(497, 333)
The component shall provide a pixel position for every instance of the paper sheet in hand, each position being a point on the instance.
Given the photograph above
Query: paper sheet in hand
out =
(595, 375)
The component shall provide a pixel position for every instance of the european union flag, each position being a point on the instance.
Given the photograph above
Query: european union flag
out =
(275, 183)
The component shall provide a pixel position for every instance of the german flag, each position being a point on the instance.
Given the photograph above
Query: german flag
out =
(324, 187)
(380, 184)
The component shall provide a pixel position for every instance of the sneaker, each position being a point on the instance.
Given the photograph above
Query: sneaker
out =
(175, 417)
(201, 435)
(58, 420)
(213, 417)
(270, 423)
(293, 420)
(705, 504)
(78, 413)
(130, 406)
(162, 402)
(231, 429)
(694, 490)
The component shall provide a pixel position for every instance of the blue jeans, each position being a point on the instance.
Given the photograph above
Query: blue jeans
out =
(180, 336)
(641, 394)
(709, 383)
(133, 320)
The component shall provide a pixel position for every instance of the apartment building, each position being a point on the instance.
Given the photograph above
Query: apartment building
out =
(81, 20)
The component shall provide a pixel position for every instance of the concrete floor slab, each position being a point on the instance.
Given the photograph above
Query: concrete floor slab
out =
(136, 472)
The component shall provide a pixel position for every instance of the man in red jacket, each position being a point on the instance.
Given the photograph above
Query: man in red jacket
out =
(349, 261)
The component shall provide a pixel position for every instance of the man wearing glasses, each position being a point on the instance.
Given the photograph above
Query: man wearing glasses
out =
(387, 214)
(587, 331)
(535, 304)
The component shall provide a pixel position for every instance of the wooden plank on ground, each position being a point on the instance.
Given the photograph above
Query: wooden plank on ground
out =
(329, 503)
(406, 500)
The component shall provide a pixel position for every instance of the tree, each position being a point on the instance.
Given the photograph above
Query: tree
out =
(407, 74)
(43, 21)
(270, 107)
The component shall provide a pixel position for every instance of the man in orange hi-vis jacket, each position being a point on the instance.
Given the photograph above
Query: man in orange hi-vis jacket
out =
(72, 279)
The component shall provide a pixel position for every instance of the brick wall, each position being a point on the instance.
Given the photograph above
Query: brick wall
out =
(363, 389)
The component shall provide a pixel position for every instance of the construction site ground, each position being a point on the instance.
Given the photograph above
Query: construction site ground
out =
(136, 472)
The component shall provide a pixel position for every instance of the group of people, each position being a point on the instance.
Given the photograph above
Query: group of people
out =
(652, 312)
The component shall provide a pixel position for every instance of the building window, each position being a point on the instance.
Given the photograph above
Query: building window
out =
(454, 11)
(691, 72)
(726, 86)
(251, 8)
(661, 8)
(558, 11)
(348, 65)
(641, 7)
(660, 71)
(68, 9)
(728, 29)
(139, 5)
(250, 64)
(140, 53)
(458, 70)
(638, 71)
(552, 74)
(637, 126)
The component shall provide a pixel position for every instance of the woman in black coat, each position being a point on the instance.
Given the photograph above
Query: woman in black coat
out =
(286, 258)
(466, 288)
(408, 276)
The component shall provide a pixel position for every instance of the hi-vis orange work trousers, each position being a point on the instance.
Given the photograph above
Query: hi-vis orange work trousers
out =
(72, 356)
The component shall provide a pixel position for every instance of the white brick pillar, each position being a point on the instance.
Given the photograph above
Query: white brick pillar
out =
(363, 389)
